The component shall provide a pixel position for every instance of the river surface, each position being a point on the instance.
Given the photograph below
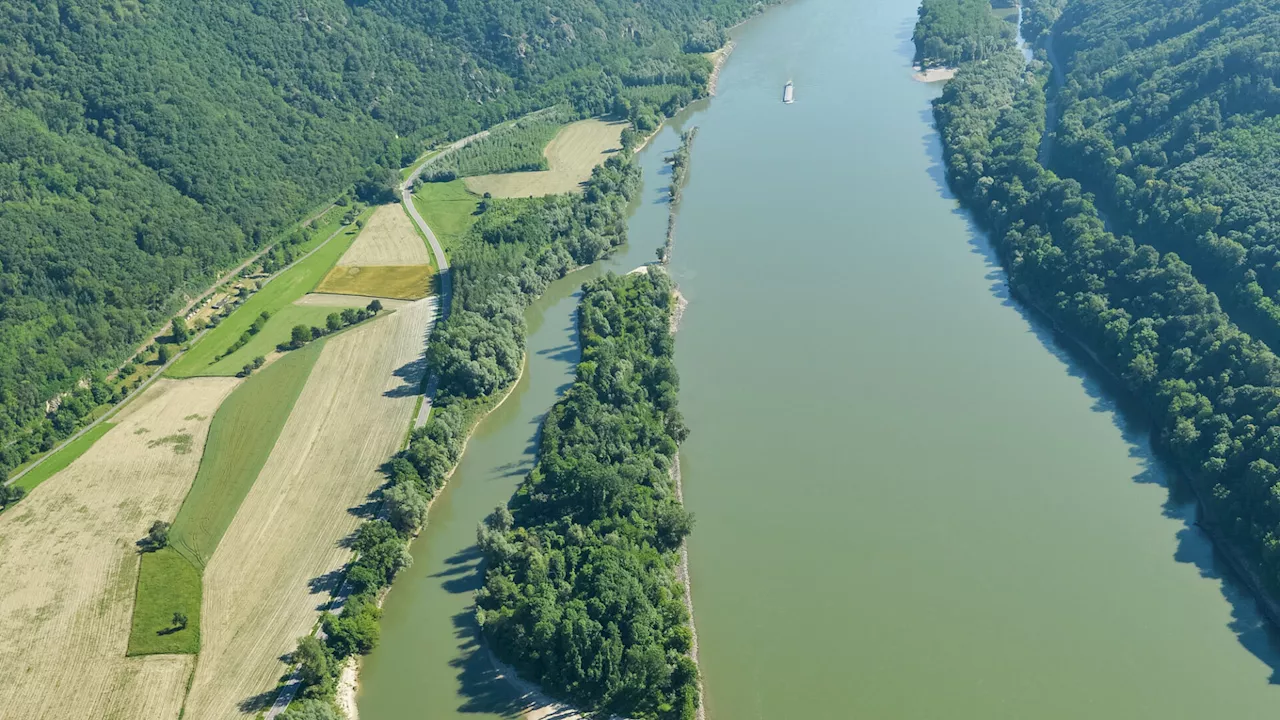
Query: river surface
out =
(912, 501)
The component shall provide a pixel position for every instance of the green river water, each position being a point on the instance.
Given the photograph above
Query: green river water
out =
(912, 501)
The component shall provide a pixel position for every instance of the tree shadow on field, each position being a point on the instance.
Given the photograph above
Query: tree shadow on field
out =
(327, 582)
(410, 375)
(255, 704)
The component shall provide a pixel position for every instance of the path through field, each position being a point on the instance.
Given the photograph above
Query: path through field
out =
(277, 563)
(64, 627)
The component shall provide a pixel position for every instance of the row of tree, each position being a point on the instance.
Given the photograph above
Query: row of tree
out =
(515, 147)
(1212, 391)
(581, 593)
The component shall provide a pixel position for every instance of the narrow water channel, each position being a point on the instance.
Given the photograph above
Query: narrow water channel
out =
(911, 501)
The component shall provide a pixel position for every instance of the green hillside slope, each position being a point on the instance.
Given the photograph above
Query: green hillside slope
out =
(146, 145)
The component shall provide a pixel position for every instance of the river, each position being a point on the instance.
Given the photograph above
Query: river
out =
(912, 501)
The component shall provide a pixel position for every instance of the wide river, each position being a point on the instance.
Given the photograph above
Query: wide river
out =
(911, 500)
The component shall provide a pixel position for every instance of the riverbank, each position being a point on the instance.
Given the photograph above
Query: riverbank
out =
(349, 681)
(718, 59)
(933, 74)
(1235, 557)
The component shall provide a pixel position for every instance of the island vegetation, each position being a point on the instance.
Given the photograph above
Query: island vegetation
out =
(1159, 114)
(581, 593)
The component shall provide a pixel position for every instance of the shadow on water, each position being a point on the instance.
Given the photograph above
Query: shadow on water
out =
(484, 691)
(1194, 547)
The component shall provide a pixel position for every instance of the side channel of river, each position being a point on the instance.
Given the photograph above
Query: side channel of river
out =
(911, 501)
(429, 663)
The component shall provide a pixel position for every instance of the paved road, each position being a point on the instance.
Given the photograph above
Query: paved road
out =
(294, 684)
(147, 383)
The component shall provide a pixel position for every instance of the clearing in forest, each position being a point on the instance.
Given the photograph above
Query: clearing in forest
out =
(277, 561)
(240, 439)
(65, 626)
(389, 238)
(574, 151)
(401, 282)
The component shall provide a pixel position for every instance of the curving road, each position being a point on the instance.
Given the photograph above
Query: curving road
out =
(294, 684)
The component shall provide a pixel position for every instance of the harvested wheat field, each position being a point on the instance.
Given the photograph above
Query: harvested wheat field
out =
(347, 301)
(258, 594)
(64, 628)
(402, 282)
(574, 151)
(389, 238)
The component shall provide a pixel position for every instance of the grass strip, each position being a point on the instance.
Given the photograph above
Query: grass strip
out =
(64, 457)
(281, 292)
(449, 208)
(241, 437)
(167, 583)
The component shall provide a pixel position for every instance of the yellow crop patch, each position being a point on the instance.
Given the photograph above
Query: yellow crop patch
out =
(402, 282)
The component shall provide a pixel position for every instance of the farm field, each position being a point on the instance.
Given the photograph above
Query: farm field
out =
(401, 282)
(278, 294)
(347, 301)
(571, 155)
(64, 629)
(449, 208)
(64, 457)
(240, 439)
(388, 238)
(274, 567)
(278, 329)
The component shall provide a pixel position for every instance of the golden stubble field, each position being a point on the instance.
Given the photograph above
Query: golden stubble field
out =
(571, 155)
(258, 594)
(388, 238)
(69, 565)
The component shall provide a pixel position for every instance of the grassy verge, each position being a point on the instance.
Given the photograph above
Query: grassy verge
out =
(240, 440)
(406, 172)
(64, 457)
(167, 584)
(449, 208)
(403, 282)
(278, 329)
(278, 294)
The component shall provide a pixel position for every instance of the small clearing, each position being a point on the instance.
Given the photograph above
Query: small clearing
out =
(64, 626)
(276, 564)
(401, 282)
(389, 238)
(574, 151)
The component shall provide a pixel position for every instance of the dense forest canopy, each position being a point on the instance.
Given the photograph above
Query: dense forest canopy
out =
(581, 592)
(949, 32)
(1169, 115)
(145, 145)
(1145, 315)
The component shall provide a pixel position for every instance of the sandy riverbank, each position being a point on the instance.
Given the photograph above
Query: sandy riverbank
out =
(934, 74)
(718, 59)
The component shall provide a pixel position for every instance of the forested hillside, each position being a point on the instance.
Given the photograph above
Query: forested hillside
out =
(145, 145)
(1212, 390)
(1169, 115)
